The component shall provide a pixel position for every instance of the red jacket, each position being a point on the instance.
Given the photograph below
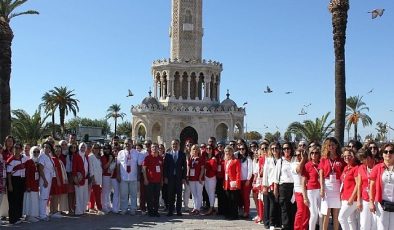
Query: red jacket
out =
(232, 174)
(78, 167)
(376, 175)
(31, 176)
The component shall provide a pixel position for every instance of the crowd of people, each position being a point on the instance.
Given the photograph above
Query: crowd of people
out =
(293, 185)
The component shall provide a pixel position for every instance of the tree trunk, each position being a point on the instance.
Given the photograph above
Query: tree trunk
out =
(62, 117)
(355, 131)
(116, 119)
(6, 36)
(339, 9)
(53, 123)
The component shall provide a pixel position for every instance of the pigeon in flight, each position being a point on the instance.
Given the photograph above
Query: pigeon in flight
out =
(245, 103)
(268, 90)
(370, 91)
(130, 94)
(288, 92)
(303, 112)
(376, 12)
(306, 106)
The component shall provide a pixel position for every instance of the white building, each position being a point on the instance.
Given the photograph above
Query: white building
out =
(186, 89)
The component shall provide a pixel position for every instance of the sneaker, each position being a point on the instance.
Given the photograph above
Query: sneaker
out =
(44, 219)
(100, 213)
(122, 212)
(32, 219)
(57, 215)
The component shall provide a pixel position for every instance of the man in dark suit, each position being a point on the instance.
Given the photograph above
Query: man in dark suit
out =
(174, 176)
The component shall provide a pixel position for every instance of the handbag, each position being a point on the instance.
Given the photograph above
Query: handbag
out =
(387, 206)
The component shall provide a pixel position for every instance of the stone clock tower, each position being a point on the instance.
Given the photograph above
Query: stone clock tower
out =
(186, 30)
(186, 89)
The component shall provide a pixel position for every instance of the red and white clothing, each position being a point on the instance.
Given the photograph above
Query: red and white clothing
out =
(246, 182)
(46, 162)
(384, 190)
(210, 179)
(347, 214)
(80, 169)
(232, 176)
(367, 218)
(311, 175)
(302, 215)
(106, 188)
(195, 167)
(115, 186)
(30, 198)
(95, 171)
(332, 171)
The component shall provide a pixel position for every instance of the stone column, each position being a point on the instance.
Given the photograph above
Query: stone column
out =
(180, 87)
(208, 88)
(196, 91)
(161, 87)
(155, 88)
(188, 87)
(165, 89)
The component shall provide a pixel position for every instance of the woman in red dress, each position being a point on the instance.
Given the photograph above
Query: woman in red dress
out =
(59, 185)
(232, 183)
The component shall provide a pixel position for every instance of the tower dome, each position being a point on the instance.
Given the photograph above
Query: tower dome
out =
(228, 103)
(150, 100)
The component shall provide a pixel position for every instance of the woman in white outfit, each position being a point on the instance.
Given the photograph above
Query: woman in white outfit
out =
(46, 169)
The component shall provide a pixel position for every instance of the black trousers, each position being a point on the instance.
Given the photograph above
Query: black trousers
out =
(274, 211)
(205, 198)
(174, 190)
(164, 194)
(266, 201)
(232, 201)
(152, 197)
(221, 196)
(287, 208)
(15, 199)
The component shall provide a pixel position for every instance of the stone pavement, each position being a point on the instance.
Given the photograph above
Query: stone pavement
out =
(139, 221)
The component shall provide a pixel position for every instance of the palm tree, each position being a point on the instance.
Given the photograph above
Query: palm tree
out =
(271, 137)
(124, 128)
(63, 100)
(114, 112)
(49, 108)
(29, 129)
(382, 129)
(316, 130)
(339, 10)
(355, 107)
(7, 8)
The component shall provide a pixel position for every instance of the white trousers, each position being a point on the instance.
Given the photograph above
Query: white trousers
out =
(367, 218)
(44, 197)
(347, 216)
(210, 186)
(196, 189)
(81, 198)
(30, 204)
(314, 207)
(105, 193)
(128, 189)
(186, 195)
(385, 220)
(116, 195)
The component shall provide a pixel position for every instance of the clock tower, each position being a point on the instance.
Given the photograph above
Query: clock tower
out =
(186, 30)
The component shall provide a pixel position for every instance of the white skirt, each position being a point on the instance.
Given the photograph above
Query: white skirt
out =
(332, 197)
(30, 204)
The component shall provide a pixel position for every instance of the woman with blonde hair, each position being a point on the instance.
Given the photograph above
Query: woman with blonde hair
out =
(330, 171)
(195, 175)
(232, 183)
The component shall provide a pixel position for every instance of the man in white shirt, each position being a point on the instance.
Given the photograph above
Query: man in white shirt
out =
(128, 161)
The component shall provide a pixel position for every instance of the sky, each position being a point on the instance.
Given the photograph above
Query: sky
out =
(100, 49)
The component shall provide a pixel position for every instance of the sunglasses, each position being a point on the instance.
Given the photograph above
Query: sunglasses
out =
(286, 148)
(388, 151)
(373, 147)
(241, 148)
(209, 148)
(36, 151)
(274, 148)
(265, 148)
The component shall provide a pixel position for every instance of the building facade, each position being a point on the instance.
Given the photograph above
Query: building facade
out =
(186, 89)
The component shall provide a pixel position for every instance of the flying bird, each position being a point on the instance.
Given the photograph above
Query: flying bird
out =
(303, 112)
(268, 90)
(245, 103)
(130, 94)
(376, 12)
(370, 91)
(288, 92)
(306, 106)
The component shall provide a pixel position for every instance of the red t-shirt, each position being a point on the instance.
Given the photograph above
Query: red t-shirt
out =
(104, 160)
(32, 177)
(376, 175)
(211, 167)
(364, 174)
(154, 168)
(311, 174)
(348, 180)
(328, 165)
(195, 166)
